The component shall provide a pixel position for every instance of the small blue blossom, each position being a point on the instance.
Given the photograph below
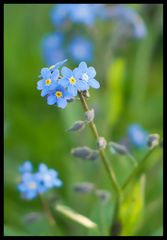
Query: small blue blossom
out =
(137, 135)
(26, 167)
(52, 48)
(87, 75)
(48, 177)
(49, 81)
(30, 186)
(59, 96)
(81, 49)
(71, 81)
(33, 184)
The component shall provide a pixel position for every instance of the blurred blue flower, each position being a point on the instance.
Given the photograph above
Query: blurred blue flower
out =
(52, 48)
(59, 96)
(129, 18)
(81, 49)
(60, 13)
(86, 74)
(49, 81)
(48, 177)
(71, 82)
(137, 135)
(26, 167)
(76, 13)
(30, 186)
(33, 184)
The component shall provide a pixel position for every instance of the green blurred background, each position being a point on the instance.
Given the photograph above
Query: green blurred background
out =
(131, 91)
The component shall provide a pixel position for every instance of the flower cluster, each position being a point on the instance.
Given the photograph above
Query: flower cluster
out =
(85, 14)
(33, 184)
(61, 86)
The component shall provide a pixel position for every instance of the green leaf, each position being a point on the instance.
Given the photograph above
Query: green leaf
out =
(131, 208)
(71, 214)
(102, 214)
(115, 78)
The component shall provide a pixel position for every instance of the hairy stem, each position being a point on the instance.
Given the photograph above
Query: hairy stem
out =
(47, 210)
(108, 168)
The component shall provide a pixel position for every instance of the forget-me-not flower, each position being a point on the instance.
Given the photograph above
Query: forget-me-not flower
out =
(48, 177)
(81, 49)
(49, 81)
(71, 81)
(87, 75)
(30, 186)
(59, 96)
(26, 167)
(52, 48)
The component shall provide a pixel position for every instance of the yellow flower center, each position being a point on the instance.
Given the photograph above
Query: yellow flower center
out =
(58, 94)
(47, 82)
(32, 185)
(72, 80)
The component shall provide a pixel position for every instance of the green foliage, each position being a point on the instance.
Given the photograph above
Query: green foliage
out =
(131, 91)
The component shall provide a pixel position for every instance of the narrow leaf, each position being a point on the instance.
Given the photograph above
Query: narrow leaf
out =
(68, 212)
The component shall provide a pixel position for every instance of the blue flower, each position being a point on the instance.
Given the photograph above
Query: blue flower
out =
(59, 96)
(81, 49)
(137, 135)
(49, 81)
(87, 75)
(48, 177)
(77, 13)
(60, 13)
(33, 184)
(57, 65)
(52, 48)
(71, 81)
(129, 18)
(30, 186)
(26, 167)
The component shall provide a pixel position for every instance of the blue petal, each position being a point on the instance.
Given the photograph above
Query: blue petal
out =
(57, 183)
(66, 72)
(55, 74)
(45, 72)
(61, 102)
(64, 82)
(83, 66)
(91, 72)
(30, 194)
(22, 187)
(93, 83)
(42, 167)
(27, 177)
(44, 92)
(53, 173)
(51, 99)
(72, 90)
(82, 85)
(77, 73)
(40, 84)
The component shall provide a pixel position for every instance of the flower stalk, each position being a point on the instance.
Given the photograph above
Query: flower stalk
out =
(108, 168)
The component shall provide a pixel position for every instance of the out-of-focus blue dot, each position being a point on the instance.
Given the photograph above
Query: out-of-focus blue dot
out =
(52, 48)
(137, 136)
(81, 49)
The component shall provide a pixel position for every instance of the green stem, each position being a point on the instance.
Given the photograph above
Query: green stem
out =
(47, 210)
(138, 169)
(109, 169)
